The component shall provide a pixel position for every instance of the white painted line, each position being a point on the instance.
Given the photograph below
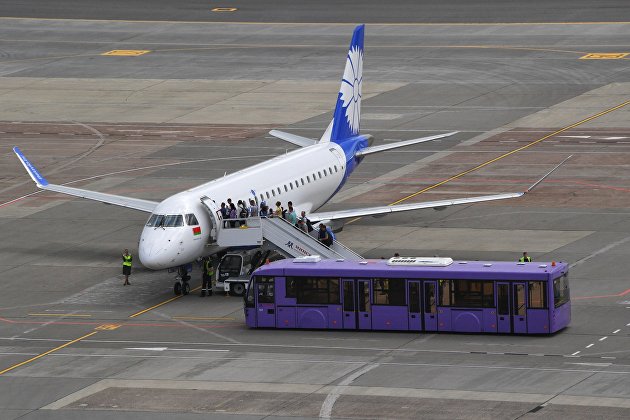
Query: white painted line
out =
(590, 364)
(608, 357)
(209, 350)
(616, 331)
(147, 348)
(590, 345)
(603, 338)
(575, 137)
(576, 353)
(327, 406)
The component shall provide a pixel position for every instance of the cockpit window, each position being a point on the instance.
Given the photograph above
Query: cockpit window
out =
(191, 220)
(173, 220)
(170, 220)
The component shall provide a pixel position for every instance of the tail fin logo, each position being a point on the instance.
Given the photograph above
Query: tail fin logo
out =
(351, 87)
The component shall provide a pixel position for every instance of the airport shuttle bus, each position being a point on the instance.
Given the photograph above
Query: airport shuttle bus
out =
(410, 294)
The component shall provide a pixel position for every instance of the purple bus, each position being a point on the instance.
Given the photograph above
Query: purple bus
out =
(410, 294)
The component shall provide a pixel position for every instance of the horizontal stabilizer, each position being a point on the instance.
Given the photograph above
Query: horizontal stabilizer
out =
(293, 138)
(383, 147)
(117, 200)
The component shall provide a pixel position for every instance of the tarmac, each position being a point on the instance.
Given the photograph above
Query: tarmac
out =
(200, 101)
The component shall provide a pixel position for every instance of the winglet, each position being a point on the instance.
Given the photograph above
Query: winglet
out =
(32, 170)
(535, 184)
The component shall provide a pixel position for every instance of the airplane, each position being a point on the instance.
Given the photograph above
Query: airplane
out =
(178, 229)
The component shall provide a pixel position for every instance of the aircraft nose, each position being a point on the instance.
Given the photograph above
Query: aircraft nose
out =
(150, 256)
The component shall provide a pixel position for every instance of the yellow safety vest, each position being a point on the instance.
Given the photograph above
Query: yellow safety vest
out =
(209, 268)
(127, 260)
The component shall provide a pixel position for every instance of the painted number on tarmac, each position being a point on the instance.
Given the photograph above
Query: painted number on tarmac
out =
(604, 56)
(127, 53)
(224, 9)
(107, 327)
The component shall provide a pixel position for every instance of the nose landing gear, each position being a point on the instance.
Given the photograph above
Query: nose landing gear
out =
(181, 285)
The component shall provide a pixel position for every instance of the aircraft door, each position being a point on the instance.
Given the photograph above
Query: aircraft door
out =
(265, 301)
(429, 306)
(215, 218)
(349, 305)
(364, 305)
(413, 305)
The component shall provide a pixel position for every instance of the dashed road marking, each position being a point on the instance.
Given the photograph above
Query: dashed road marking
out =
(603, 338)
(576, 353)
(616, 331)
(126, 53)
(224, 9)
(590, 345)
(604, 56)
(108, 327)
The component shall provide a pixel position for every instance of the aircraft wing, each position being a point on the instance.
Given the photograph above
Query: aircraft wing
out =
(117, 200)
(383, 210)
(438, 205)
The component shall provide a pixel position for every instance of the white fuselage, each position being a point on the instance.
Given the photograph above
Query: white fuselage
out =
(308, 177)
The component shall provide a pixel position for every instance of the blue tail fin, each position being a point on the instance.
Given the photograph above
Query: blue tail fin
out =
(347, 116)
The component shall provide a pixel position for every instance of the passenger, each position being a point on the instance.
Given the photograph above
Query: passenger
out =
(396, 255)
(233, 214)
(207, 277)
(278, 211)
(253, 208)
(126, 266)
(525, 258)
(324, 235)
(301, 223)
(225, 213)
(291, 215)
(309, 225)
(264, 210)
(242, 210)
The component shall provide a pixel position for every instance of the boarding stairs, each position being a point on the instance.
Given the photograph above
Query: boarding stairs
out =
(271, 233)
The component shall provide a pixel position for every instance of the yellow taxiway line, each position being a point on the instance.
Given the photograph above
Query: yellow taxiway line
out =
(39, 356)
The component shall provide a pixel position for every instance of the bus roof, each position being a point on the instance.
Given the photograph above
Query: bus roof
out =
(482, 270)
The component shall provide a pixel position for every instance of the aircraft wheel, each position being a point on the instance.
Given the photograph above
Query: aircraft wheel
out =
(186, 288)
(177, 288)
(237, 289)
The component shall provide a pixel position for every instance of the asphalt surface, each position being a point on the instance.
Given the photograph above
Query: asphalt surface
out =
(327, 11)
(200, 102)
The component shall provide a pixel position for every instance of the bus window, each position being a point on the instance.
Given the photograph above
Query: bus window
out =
(561, 290)
(265, 286)
(429, 298)
(364, 296)
(348, 296)
(318, 291)
(502, 299)
(388, 292)
(519, 299)
(249, 296)
(414, 297)
(290, 286)
(537, 295)
(445, 292)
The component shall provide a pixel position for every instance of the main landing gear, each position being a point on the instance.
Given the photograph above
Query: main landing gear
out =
(181, 285)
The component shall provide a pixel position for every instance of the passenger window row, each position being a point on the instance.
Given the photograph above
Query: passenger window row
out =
(299, 182)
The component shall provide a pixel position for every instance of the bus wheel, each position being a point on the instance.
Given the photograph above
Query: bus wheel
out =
(237, 289)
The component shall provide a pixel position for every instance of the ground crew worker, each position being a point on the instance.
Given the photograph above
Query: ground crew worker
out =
(207, 275)
(525, 258)
(126, 265)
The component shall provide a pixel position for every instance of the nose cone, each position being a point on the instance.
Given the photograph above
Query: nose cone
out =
(152, 251)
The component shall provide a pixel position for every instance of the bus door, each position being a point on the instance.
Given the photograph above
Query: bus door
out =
(511, 308)
(414, 305)
(265, 301)
(519, 308)
(349, 305)
(430, 305)
(364, 307)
